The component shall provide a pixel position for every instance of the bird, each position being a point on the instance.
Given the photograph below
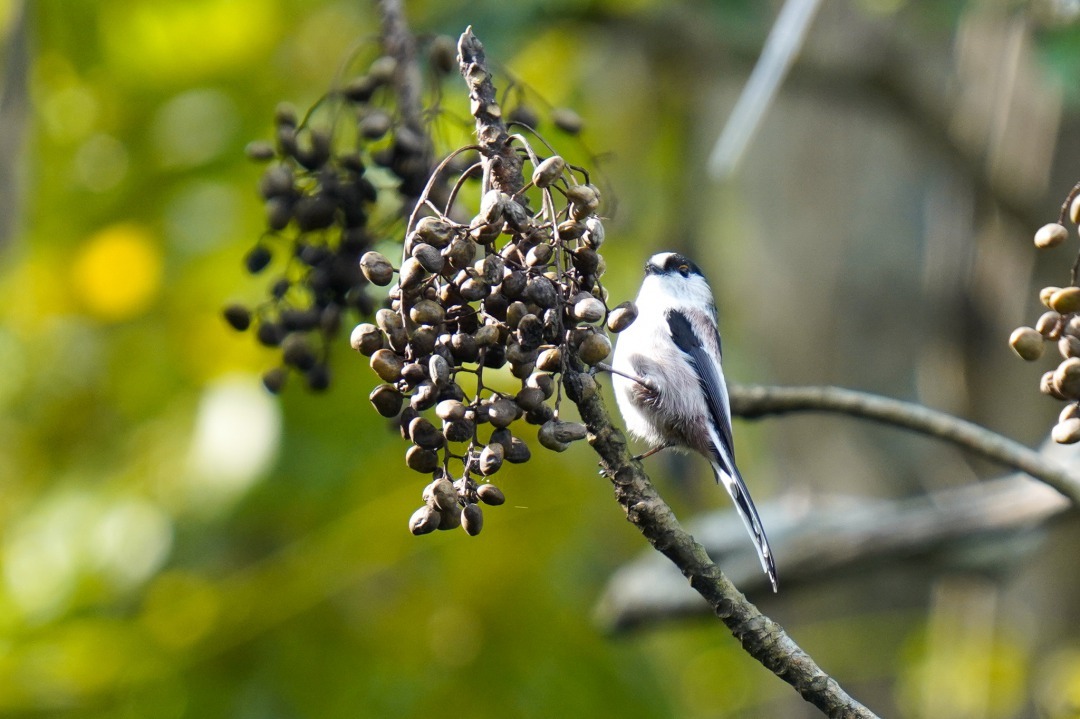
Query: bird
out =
(669, 380)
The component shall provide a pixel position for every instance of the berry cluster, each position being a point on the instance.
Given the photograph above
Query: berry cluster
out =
(319, 190)
(1060, 324)
(513, 292)
(510, 290)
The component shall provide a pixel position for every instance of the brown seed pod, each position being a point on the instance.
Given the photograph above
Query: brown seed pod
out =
(441, 495)
(548, 171)
(429, 257)
(423, 340)
(491, 459)
(438, 369)
(1067, 378)
(571, 230)
(421, 460)
(517, 217)
(434, 231)
(529, 398)
(1051, 235)
(542, 414)
(424, 521)
(458, 430)
(1046, 293)
(548, 438)
(1071, 411)
(413, 373)
(1049, 325)
(545, 382)
(589, 310)
(550, 360)
(450, 518)
(492, 268)
(518, 451)
(1067, 432)
(513, 285)
(502, 412)
(1066, 300)
(427, 312)
(567, 120)
(622, 316)
(1068, 346)
(539, 256)
(450, 409)
(460, 254)
(1027, 343)
(490, 494)
(568, 431)
(425, 396)
(492, 206)
(584, 199)
(375, 125)
(387, 365)
(474, 289)
(424, 434)
(412, 274)
(386, 400)
(464, 347)
(594, 348)
(366, 338)
(376, 268)
(541, 292)
(472, 519)
(530, 332)
(486, 336)
(594, 232)
(586, 260)
(1047, 386)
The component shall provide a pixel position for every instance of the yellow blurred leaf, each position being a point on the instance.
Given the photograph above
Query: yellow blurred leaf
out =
(117, 273)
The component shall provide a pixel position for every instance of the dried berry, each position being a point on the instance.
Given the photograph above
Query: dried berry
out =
(1051, 235)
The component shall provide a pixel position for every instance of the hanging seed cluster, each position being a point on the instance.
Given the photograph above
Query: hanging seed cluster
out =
(511, 290)
(1058, 326)
(319, 189)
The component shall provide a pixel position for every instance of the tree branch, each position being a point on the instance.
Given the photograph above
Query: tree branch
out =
(847, 536)
(502, 163)
(761, 637)
(754, 402)
(399, 44)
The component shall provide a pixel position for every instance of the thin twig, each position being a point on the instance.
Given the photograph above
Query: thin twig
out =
(752, 402)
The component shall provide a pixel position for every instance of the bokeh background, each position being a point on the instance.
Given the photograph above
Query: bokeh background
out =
(175, 542)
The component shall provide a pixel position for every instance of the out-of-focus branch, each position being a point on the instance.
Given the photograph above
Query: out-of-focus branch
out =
(400, 44)
(13, 107)
(760, 636)
(977, 527)
(754, 402)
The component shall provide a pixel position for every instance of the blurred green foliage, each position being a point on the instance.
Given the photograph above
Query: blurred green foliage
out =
(176, 543)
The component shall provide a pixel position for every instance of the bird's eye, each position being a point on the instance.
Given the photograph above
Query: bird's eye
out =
(684, 270)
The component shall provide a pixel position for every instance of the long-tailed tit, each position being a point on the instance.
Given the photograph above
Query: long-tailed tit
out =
(669, 382)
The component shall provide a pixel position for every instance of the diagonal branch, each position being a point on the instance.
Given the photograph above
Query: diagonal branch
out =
(753, 402)
(761, 637)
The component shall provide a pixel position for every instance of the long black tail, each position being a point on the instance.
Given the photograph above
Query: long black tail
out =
(733, 483)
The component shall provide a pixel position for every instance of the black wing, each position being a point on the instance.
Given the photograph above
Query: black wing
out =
(712, 384)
